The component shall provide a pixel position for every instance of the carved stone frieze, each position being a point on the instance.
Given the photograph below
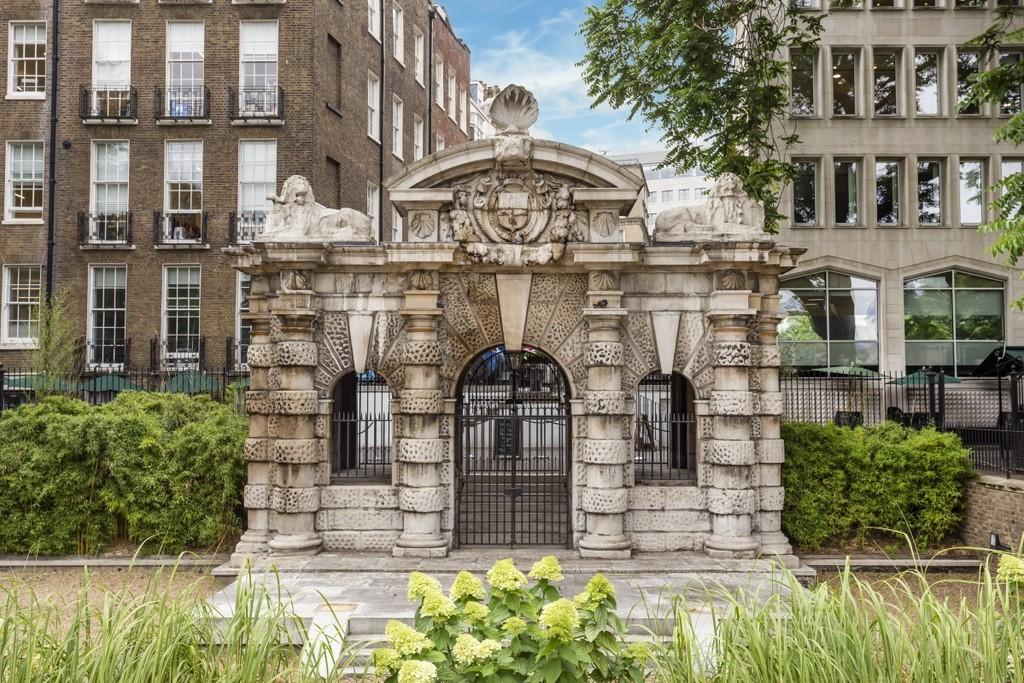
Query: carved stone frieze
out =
(731, 354)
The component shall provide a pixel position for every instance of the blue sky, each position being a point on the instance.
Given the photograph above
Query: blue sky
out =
(534, 43)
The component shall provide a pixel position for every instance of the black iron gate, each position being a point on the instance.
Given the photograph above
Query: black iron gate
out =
(512, 443)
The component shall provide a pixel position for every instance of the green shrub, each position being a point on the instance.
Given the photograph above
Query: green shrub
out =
(170, 466)
(841, 482)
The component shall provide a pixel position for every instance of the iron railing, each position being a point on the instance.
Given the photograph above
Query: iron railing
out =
(182, 103)
(361, 430)
(665, 429)
(252, 103)
(177, 352)
(110, 103)
(246, 226)
(179, 228)
(113, 354)
(105, 229)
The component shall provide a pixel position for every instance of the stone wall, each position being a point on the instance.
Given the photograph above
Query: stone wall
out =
(994, 504)
(664, 518)
(359, 518)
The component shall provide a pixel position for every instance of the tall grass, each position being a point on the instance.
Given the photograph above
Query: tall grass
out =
(152, 637)
(852, 631)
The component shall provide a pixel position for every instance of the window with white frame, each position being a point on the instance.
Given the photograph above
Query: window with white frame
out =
(845, 188)
(972, 191)
(844, 81)
(373, 106)
(23, 194)
(968, 65)
(439, 82)
(257, 180)
(463, 107)
(397, 132)
(373, 206)
(185, 69)
(885, 76)
(888, 189)
(929, 192)
(111, 68)
(183, 191)
(108, 195)
(21, 297)
(452, 94)
(418, 139)
(107, 296)
(181, 313)
(928, 82)
(373, 18)
(419, 49)
(398, 26)
(802, 82)
(243, 327)
(26, 72)
(258, 72)
(396, 225)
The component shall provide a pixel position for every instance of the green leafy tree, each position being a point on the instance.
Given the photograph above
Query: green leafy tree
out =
(713, 75)
(1001, 85)
(55, 358)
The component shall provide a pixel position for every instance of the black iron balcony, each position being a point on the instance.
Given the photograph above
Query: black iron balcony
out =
(182, 103)
(105, 229)
(113, 352)
(253, 104)
(246, 226)
(173, 228)
(185, 351)
(110, 104)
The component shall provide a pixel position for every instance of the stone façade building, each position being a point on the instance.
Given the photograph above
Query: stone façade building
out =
(515, 324)
(176, 119)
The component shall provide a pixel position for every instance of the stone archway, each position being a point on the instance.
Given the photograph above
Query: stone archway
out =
(512, 451)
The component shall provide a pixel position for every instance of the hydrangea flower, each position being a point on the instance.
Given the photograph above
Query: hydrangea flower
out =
(437, 605)
(1011, 569)
(475, 611)
(415, 671)
(488, 648)
(598, 590)
(421, 585)
(386, 661)
(547, 568)
(406, 640)
(638, 652)
(468, 650)
(513, 626)
(559, 619)
(505, 577)
(467, 586)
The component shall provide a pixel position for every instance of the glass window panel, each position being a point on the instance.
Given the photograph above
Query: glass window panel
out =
(112, 49)
(844, 83)
(805, 355)
(847, 198)
(967, 64)
(853, 315)
(970, 354)
(929, 192)
(928, 314)
(885, 74)
(884, 4)
(972, 192)
(24, 186)
(28, 57)
(887, 192)
(809, 312)
(804, 193)
(1011, 103)
(979, 314)
(257, 174)
(802, 83)
(926, 82)
(21, 298)
(969, 280)
(930, 354)
(862, 354)
(811, 281)
(844, 281)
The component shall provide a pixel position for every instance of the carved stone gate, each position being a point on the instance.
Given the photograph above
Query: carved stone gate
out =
(512, 451)
(523, 244)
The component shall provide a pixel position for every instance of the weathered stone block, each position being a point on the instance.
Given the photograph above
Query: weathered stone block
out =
(646, 498)
(421, 401)
(603, 354)
(734, 453)
(772, 498)
(605, 451)
(770, 450)
(685, 498)
(730, 403)
(256, 496)
(258, 450)
(292, 353)
(729, 477)
(732, 501)
(260, 356)
(604, 501)
(364, 519)
(768, 403)
(258, 403)
(294, 402)
(421, 450)
(295, 500)
(430, 499)
(764, 356)
(605, 402)
(342, 497)
(360, 541)
(730, 354)
(661, 520)
(656, 541)
(422, 353)
(296, 451)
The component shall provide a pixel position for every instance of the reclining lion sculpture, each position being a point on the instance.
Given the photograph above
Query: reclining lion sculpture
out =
(728, 212)
(296, 217)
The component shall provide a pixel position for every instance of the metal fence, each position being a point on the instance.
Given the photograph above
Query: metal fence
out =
(361, 433)
(987, 415)
(665, 432)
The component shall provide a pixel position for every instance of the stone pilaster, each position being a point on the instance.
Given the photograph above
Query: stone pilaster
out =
(732, 496)
(294, 407)
(256, 495)
(606, 449)
(420, 447)
(769, 445)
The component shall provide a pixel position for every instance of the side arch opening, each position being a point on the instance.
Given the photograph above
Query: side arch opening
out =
(361, 434)
(665, 429)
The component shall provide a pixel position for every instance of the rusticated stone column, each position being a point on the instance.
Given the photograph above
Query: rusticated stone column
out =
(420, 448)
(256, 494)
(606, 449)
(769, 444)
(732, 498)
(294, 407)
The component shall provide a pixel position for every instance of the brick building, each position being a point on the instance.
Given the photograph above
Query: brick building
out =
(177, 118)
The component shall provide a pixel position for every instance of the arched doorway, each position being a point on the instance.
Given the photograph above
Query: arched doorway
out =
(361, 428)
(665, 435)
(512, 459)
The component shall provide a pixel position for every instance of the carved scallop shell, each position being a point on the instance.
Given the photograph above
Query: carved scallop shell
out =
(732, 279)
(514, 110)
